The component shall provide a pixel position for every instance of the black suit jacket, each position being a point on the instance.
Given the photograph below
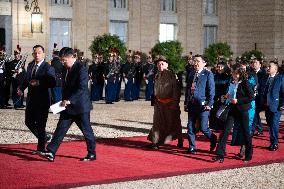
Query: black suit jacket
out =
(38, 96)
(245, 95)
(75, 89)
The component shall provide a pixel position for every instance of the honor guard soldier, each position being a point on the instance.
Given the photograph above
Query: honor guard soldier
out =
(19, 74)
(2, 79)
(128, 73)
(118, 75)
(148, 75)
(56, 92)
(109, 75)
(94, 76)
(100, 79)
(9, 67)
(138, 74)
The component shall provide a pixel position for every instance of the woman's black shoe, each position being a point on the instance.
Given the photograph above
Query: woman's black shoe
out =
(218, 158)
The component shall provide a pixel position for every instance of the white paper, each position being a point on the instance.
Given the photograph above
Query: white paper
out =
(56, 108)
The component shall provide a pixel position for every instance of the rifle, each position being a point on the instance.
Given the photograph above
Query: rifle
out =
(131, 72)
(114, 69)
(6, 59)
(19, 65)
(150, 71)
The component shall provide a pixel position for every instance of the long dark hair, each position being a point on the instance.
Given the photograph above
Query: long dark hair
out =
(239, 70)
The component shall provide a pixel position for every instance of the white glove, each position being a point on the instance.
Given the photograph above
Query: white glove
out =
(106, 82)
(125, 81)
(146, 81)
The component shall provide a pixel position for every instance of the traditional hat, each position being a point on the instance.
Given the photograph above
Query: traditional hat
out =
(18, 50)
(161, 58)
(55, 49)
(137, 54)
(129, 53)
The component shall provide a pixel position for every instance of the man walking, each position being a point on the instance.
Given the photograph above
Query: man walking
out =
(40, 76)
(199, 101)
(76, 99)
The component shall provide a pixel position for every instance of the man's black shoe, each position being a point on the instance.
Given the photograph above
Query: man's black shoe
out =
(273, 147)
(37, 152)
(48, 155)
(191, 151)
(213, 142)
(89, 158)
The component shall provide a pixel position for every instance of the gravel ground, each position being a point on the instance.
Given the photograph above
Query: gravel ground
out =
(135, 119)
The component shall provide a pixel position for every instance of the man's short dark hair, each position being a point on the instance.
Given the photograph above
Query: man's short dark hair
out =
(203, 57)
(38, 46)
(274, 62)
(66, 51)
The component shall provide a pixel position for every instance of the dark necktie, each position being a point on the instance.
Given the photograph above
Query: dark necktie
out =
(193, 85)
(34, 71)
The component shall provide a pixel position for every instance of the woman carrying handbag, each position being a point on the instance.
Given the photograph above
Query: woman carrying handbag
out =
(239, 97)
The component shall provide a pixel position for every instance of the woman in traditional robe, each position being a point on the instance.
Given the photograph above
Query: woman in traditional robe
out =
(166, 121)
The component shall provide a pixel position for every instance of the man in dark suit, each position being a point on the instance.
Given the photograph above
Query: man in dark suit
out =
(199, 100)
(273, 101)
(40, 76)
(261, 74)
(76, 99)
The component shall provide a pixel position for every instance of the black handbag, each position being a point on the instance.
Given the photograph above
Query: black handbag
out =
(222, 112)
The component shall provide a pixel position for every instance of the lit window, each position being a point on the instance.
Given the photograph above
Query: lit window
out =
(210, 35)
(118, 28)
(168, 5)
(61, 2)
(167, 32)
(122, 4)
(209, 7)
(60, 33)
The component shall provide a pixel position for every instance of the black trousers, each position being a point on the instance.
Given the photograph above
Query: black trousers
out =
(63, 125)
(243, 117)
(35, 120)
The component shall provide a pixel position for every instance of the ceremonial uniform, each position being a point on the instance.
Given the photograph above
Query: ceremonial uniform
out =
(148, 71)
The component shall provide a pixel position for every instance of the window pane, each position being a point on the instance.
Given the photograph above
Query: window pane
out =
(118, 3)
(210, 35)
(209, 7)
(60, 33)
(119, 28)
(167, 32)
(168, 5)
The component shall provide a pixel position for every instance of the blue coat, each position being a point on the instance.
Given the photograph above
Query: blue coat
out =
(75, 89)
(204, 90)
(276, 93)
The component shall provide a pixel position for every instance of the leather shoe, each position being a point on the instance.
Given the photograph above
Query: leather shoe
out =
(37, 152)
(191, 151)
(213, 142)
(218, 158)
(246, 160)
(180, 143)
(91, 157)
(273, 147)
(153, 146)
(48, 155)
(257, 133)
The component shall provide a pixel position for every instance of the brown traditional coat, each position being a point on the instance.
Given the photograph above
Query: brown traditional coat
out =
(166, 123)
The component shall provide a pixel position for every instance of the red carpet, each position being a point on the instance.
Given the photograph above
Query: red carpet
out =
(122, 159)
